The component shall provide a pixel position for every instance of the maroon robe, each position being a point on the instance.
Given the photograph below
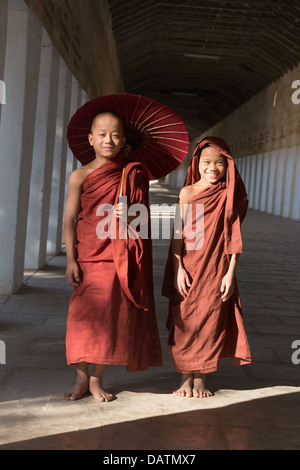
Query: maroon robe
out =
(112, 317)
(203, 328)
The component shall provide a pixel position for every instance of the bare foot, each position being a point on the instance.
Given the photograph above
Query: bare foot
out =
(98, 391)
(199, 389)
(80, 388)
(96, 387)
(185, 388)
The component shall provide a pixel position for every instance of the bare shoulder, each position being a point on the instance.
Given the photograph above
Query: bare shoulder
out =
(185, 194)
(77, 177)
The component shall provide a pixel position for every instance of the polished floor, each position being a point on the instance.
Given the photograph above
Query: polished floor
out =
(255, 406)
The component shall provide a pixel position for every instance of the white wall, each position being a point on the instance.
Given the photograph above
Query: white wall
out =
(270, 179)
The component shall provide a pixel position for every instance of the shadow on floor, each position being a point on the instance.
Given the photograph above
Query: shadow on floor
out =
(270, 423)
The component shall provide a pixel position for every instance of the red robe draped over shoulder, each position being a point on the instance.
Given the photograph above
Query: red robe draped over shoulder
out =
(202, 328)
(112, 317)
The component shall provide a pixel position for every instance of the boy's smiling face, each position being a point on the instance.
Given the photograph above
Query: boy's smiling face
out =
(212, 165)
(107, 136)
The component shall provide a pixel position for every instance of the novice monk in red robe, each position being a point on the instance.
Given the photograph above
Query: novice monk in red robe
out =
(205, 315)
(111, 317)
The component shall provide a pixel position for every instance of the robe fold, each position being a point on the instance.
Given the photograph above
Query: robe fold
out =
(202, 328)
(111, 318)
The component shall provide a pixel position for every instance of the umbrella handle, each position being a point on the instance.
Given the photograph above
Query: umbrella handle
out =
(122, 181)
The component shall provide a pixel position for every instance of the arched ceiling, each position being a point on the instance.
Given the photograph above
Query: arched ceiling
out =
(204, 58)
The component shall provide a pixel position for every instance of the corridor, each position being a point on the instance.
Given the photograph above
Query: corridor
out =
(229, 69)
(253, 407)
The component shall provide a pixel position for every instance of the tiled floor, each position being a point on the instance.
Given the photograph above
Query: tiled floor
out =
(254, 407)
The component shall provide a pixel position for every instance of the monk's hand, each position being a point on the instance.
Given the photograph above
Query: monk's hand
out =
(182, 281)
(227, 287)
(120, 210)
(121, 213)
(72, 274)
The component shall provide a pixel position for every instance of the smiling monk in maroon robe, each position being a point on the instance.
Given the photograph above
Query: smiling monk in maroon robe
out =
(111, 317)
(205, 314)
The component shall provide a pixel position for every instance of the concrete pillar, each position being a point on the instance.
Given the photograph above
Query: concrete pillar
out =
(248, 174)
(272, 181)
(251, 191)
(78, 104)
(240, 163)
(289, 182)
(257, 185)
(295, 209)
(84, 97)
(50, 145)
(53, 247)
(16, 135)
(62, 172)
(71, 164)
(265, 182)
(3, 35)
(33, 238)
(279, 191)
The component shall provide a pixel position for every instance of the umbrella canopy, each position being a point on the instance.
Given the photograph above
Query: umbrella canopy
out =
(156, 135)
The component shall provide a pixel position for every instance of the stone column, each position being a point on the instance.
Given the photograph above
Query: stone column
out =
(295, 203)
(64, 151)
(50, 145)
(16, 135)
(53, 247)
(71, 162)
(32, 252)
(3, 35)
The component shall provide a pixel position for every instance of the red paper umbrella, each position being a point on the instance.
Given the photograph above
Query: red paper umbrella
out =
(156, 135)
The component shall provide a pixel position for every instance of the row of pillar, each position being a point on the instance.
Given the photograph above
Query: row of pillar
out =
(41, 96)
(271, 181)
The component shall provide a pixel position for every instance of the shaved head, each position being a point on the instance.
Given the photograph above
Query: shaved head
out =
(108, 113)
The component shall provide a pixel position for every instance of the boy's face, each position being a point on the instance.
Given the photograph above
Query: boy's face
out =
(212, 165)
(107, 136)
